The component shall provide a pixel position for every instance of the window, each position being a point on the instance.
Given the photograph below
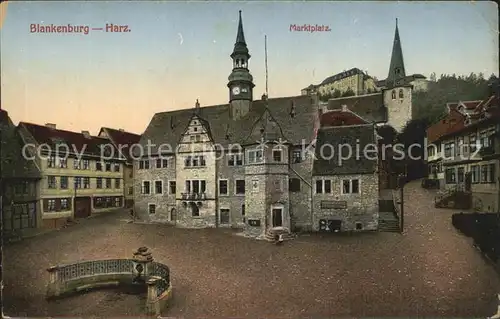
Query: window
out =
(64, 182)
(195, 161)
(99, 182)
(277, 155)
(473, 143)
(359, 226)
(152, 209)
(76, 164)
(117, 202)
(255, 156)
(243, 212)
(474, 174)
(198, 138)
(117, 167)
(51, 161)
(86, 182)
(145, 187)
(224, 216)
(240, 186)
(108, 167)
(117, 183)
(131, 191)
(297, 156)
(161, 163)
(78, 182)
(172, 186)
(85, 164)
(98, 166)
(64, 204)
(323, 186)
(449, 150)
(484, 174)
(294, 185)
(491, 173)
(144, 164)
(401, 95)
(235, 159)
(108, 182)
(51, 182)
(450, 176)
(223, 187)
(460, 147)
(158, 187)
(195, 186)
(461, 174)
(191, 138)
(51, 205)
(350, 186)
(393, 94)
(63, 162)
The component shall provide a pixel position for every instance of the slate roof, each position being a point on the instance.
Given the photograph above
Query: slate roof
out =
(342, 135)
(370, 106)
(168, 127)
(341, 75)
(75, 141)
(14, 165)
(122, 138)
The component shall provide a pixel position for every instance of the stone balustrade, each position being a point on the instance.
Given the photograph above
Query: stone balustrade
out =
(141, 271)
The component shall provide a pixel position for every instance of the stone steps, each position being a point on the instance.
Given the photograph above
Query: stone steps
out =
(273, 232)
(389, 225)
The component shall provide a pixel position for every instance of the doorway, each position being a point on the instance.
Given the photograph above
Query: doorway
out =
(277, 217)
(82, 207)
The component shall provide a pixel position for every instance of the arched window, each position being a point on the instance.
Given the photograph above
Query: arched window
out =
(401, 95)
(393, 94)
(397, 71)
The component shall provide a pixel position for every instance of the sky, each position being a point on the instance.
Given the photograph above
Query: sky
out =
(177, 52)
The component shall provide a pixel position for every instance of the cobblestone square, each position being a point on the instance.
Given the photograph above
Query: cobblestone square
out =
(430, 270)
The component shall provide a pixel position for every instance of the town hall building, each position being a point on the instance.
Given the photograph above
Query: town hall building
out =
(255, 163)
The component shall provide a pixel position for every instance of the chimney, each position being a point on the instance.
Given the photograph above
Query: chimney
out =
(86, 134)
(344, 108)
(50, 125)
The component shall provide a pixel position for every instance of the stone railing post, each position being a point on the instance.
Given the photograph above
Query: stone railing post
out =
(152, 302)
(53, 288)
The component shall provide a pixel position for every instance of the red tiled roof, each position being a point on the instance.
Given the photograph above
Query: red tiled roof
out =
(75, 141)
(123, 139)
(340, 118)
(471, 105)
(451, 123)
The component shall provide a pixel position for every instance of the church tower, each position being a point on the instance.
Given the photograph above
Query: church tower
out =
(397, 92)
(240, 80)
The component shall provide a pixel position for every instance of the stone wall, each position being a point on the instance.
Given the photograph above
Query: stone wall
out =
(360, 208)
(164, 202)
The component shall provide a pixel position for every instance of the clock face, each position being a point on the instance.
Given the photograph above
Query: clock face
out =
(236, 90)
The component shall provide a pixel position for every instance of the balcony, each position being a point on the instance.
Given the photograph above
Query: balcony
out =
(194, 196)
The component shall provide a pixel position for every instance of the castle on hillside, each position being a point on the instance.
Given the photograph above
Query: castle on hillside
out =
(257, 164)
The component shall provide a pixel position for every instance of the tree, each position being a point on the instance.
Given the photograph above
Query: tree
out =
(348, 92)
(337, 93)
(413, 138)
(432, 77)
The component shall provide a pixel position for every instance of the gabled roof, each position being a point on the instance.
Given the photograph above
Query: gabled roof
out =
(452, 122)
(167, 127)
(369, 107)
(341, 118)
(14, 165)
(341, 163)
(122, 139)
(90, 146)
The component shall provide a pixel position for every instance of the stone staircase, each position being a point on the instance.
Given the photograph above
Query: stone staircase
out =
(272, 233)
(388, 222)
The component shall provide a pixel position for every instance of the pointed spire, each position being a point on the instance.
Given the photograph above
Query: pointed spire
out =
(397, 67)
(240, 46)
